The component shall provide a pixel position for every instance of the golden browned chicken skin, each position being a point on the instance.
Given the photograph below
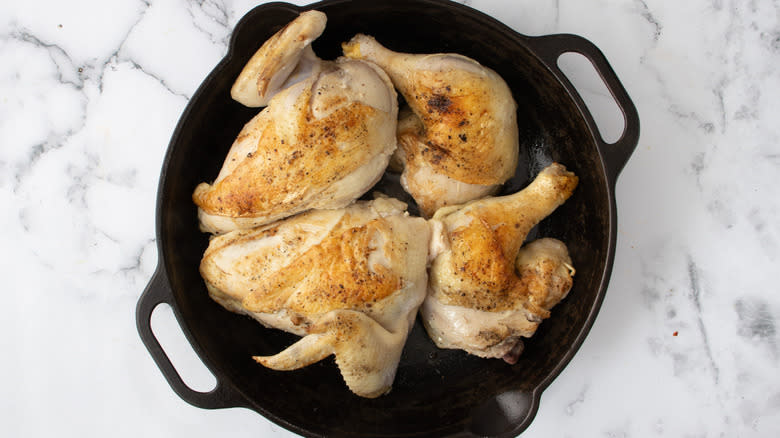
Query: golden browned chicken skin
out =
(324, 139)
(459, 142)
(485, 291)
(350, 281)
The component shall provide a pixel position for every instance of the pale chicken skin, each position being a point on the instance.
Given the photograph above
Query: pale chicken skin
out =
(460, 141)
(486, 291)
(324, 139)
(283, 59)
(349, 281)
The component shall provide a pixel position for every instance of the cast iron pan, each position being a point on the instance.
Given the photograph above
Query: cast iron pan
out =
(436, 392)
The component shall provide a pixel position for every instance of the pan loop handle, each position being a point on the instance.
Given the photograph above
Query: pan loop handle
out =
(549, 48)
(157, 292)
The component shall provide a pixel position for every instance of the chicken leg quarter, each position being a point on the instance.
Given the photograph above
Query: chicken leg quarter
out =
(486, 291)
(459, 142)
(350, 281)
(323, 140)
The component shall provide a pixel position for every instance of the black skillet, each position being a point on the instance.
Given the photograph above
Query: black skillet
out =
(436, 392)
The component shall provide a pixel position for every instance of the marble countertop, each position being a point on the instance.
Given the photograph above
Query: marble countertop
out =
(686, 343)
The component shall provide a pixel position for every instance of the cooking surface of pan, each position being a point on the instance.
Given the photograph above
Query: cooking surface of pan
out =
(436, 392)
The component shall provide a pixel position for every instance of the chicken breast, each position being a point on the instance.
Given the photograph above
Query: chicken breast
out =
(349, 281)
(324, 139)
(485, 290)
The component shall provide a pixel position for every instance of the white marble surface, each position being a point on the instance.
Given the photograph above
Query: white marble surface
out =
(686, 344)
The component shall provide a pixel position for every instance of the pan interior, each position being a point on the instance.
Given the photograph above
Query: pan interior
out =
(436, 392)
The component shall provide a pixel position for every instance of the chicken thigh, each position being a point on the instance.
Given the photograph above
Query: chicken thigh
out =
(486, 291)
(324, 139)
(350, 281)
(459, 142)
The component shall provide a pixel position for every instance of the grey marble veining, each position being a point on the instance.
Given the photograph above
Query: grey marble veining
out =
(686, 343)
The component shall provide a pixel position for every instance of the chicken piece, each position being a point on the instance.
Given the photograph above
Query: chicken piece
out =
(324, 139)
(460, 140)
(350, 281)
(271, 68)
(485, 290)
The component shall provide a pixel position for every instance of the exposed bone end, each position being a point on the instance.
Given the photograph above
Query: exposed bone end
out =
(351, 49)
(513, 355)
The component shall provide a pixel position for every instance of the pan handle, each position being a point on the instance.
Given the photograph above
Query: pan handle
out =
(550, 48)
(158, 291)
